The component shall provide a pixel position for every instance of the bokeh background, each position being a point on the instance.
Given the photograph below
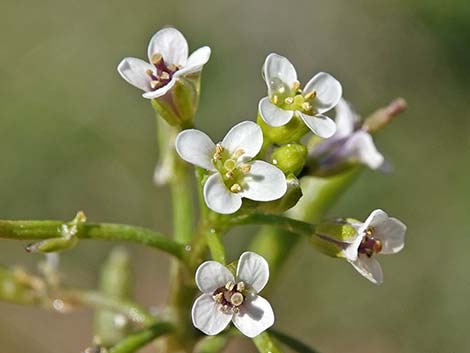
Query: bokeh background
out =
(75, 136)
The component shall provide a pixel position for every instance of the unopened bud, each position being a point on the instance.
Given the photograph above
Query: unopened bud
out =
(382, 117)
(290, 158)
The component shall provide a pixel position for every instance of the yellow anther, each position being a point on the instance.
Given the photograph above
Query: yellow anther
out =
(219, 148)
(289, 100)
(218, 297)
(240, 286)
(165, 75)
(235, 188)
(156, 58)
(306, 106)
(238, 153)
(236, 299)
(230, 285)
(245, 168)
(172, 67)
(229, 175)
(154, 83)
(296, 85)
(275, 99)
(310, 95)
(149, 72)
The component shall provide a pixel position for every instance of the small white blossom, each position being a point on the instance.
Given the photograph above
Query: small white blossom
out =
(285, 98)
(168, 61)
(350, 143)
(227, 298)
(379, 234)
(234, 174)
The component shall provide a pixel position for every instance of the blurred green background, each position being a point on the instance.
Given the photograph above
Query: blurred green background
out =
(75, 136)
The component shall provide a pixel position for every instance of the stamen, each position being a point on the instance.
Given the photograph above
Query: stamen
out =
(275, 99)
(241, 286)
(238, 153)
(149, 72)
(157, 59)
(235, 188)
(219, 148)
(172, 67)
(229, 175)
(296, 85)
(165, 75)
(218, 297)
(306, 106)
(245, 168)
(154, 83)
(230, 285)
(310, 95)
(289, 100)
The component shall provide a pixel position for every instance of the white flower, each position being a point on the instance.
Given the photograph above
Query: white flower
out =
(379, 234)
(349, 144)
(168, 57)
(234, 174)
(285, 98)
(227, 298)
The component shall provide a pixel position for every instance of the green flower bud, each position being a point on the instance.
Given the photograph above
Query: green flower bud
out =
(289, 200)
(293, 131)
(332, 237)
(290, 158)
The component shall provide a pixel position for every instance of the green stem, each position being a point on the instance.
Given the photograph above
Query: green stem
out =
(137, 340)
(216, 248)
(292, 342)
(265, 344)
(37, 230)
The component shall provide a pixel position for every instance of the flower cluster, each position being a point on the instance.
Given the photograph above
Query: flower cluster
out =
(257, 167)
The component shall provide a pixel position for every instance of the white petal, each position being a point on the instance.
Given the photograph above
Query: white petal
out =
(171, 44)
(369, 267)
(345, 119)
(161, 91)
(219, 198)
(272, 114)
(390, 231)
(253, 269)
(277, 67)
(255, 317)
(195, 61)
(207, 317)
(351, 251)
(211, 275)
(134, 71)
(195, 147)
(321, 125)
(247, 136)
(328, 91)
(264, 182)
(360, 146)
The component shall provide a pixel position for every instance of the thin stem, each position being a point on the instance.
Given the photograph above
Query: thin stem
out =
(265, 344)
(292, 342)
(216, 248)
(137, 340)
(37, 230)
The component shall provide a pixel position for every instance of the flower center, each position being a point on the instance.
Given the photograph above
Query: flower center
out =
(369, 244)
(232, 170)
(291, 98)
(163, 73)
(230, 297)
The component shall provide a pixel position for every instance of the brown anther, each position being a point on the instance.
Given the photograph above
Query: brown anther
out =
(230, 285)
(235, 188)
(156, 58)
(172, 67)
(289, 100)
(377, 246)
(311, 94)
(245, 168)
(164, 75)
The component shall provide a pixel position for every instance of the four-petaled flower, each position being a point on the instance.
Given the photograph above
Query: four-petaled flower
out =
(234, 174)
(227, 298)
(286, 98)
(379, 234)
(168, 56)
(350, 144)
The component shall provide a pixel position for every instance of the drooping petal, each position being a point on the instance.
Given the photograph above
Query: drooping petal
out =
(264, 182)
(390, 231)
(328, 91)
(161, 91)
(369, 267)
(360, 146)
(219, 198)
(253, 269)
(134, 70)
(211, 275)
(195, 61)
(272, 114)
(171, 44)
(278, 68)
(321, 125)
(195, 147)
(247, 136)
(255, 316)
(207, 317)
(345, 119)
